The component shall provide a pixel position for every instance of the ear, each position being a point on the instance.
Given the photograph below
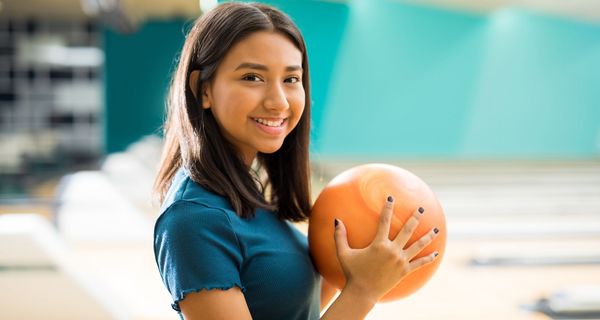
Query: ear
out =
(194, 76)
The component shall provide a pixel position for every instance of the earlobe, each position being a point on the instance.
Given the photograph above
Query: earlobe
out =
(193, 83)
(205, 97)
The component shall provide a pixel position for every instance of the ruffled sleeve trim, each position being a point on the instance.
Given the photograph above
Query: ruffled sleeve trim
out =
(181, 295)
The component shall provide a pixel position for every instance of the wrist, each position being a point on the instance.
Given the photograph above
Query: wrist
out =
(352, 303)
(360, 293)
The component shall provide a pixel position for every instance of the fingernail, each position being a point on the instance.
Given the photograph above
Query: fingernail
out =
(335, 222)
(436, 230)
(390, 199)
(435, 254)
(421, 210)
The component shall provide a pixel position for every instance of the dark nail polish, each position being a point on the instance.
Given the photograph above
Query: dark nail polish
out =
(390, 199)
(435, 254)
(335, 221)
(421, 210)
(436, 230)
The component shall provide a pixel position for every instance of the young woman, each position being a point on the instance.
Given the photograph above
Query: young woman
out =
(235, 173)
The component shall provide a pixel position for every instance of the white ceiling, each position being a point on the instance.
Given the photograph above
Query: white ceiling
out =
(137, 10)
(585, 10)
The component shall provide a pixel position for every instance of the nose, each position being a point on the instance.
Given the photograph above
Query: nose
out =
(276, 99)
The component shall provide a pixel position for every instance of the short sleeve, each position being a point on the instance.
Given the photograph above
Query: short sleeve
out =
(195, 248)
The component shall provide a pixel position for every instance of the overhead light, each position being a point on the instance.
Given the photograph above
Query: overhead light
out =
(110, 13)
(108, 5)
(206, 5)
(95, 7)
(90, 7)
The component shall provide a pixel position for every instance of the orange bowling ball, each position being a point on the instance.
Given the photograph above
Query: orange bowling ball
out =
(357, 196)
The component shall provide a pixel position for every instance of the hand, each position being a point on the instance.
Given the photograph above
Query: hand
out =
(377, 269)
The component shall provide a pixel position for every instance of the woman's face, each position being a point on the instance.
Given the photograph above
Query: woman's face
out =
(257, 96)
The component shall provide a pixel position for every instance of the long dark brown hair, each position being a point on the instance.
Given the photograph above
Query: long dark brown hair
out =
(194, 141)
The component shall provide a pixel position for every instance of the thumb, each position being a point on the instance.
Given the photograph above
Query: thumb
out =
(341, 239)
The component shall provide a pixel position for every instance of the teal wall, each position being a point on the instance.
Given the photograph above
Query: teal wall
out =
(413, 81)
(393, 79)
(137, 72)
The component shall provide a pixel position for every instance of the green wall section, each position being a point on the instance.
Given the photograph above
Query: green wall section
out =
(396, 87)
(538, 91)
(137, 72)
(400, 80)
(419, 82)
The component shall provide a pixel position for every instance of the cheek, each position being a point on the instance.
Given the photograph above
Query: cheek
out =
(298, 107)
(228, 105)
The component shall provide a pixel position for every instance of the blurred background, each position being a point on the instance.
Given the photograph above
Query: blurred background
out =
(495, 104)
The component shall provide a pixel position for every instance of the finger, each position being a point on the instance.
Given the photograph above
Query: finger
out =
(409, 228)
(418, 263)
(420, 244)
(341, 239)
(385, 220)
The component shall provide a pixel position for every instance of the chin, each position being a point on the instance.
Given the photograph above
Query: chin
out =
(270, 149)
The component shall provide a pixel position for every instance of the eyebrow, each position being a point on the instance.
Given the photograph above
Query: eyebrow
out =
(249, 65)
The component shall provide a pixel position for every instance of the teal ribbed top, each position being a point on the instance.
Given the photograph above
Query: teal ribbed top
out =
(201, 243)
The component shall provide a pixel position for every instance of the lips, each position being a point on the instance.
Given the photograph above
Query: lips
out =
(270, 122)
(274, 127)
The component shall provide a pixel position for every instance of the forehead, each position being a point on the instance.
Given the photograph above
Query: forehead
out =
(265, 47)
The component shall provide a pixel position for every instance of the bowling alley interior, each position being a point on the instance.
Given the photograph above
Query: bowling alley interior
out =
(494, 106)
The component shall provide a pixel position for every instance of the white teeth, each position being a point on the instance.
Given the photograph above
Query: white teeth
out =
(269, 123)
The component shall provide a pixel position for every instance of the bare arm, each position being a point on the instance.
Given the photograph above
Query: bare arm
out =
(328, 291)
(349, 305)
(231, 304)
(215, 304)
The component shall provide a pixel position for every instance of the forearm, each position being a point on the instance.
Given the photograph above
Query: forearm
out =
(328, 291)
(351, 304)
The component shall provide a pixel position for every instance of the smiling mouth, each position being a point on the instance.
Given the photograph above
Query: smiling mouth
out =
(270, 123)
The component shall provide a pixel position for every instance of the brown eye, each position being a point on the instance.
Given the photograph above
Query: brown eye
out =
(251, 77)
(292, 79)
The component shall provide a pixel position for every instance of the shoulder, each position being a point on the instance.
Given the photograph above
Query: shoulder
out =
(184, 193)
(184, 216)
(190, 212)
(192, 227)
